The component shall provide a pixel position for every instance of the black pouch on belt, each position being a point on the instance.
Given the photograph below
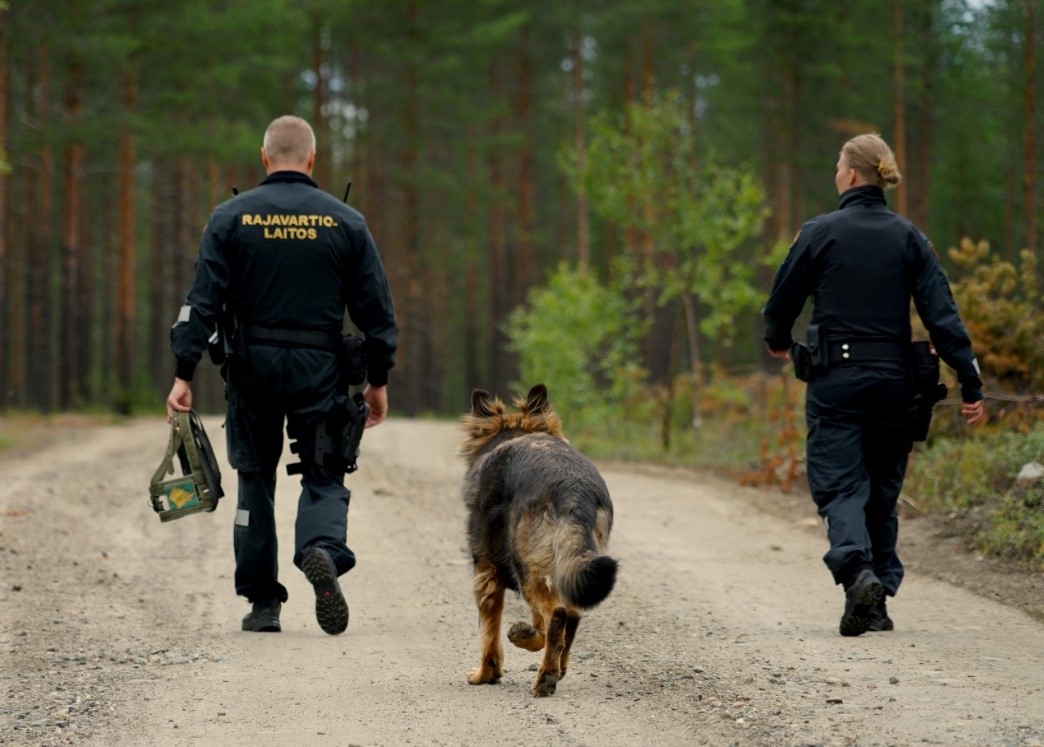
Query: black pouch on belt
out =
(802, 361)
(924, 371)
(817, 349)
(811, 360)
(353, 361)
(924, 365)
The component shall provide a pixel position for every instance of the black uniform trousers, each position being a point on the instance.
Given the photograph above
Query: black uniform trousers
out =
(859, 419)
(266, 386)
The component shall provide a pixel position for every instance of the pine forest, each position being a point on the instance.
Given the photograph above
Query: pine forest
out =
(593, 192)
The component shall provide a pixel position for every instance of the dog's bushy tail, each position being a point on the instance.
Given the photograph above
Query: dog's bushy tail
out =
(583, 576)
(587, 581)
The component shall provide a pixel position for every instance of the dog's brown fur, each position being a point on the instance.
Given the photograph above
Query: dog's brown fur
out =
(539, 516)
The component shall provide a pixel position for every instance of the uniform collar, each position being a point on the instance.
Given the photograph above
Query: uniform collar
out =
(289, 176)
(864, 195)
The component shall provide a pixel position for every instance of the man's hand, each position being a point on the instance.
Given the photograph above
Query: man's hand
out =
(180, 398)
(974, 412)
(377, 398)
(784, 354)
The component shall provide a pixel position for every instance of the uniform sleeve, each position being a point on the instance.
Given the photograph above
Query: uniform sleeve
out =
(938, 311)
(371, 309)
(790, 289)
(198, 316)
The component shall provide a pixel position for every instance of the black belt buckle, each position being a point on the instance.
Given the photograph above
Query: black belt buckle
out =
(868, 350)
(842, 353)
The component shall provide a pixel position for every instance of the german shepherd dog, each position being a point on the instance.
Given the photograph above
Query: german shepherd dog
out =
(539, 516)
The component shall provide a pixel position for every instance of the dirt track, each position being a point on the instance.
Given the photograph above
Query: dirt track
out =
(117, 629)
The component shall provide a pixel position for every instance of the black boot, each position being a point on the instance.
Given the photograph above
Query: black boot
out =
(264, 617)
(331, 608)
(879, 619)
(861, 598)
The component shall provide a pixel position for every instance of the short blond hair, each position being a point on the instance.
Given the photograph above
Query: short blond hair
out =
(289, 140)
(871, 158)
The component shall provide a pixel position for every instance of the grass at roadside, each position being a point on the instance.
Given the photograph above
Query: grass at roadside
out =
(25, 431)
(973, 481)
(969, 479)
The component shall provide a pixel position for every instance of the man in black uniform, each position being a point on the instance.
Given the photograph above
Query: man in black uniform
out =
(862, 264)
(287, 259)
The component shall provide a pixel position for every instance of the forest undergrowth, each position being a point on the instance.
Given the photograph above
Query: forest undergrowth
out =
(970, 477)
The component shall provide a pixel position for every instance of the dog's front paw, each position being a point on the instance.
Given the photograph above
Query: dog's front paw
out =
(524, 635)
(485, 676)
(545, 684)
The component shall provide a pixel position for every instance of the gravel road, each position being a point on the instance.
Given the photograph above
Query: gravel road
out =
(116, 629)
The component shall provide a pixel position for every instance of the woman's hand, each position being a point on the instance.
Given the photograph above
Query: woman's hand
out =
(974, 413)
(377, 398)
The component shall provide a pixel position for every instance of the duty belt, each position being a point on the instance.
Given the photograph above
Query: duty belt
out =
(865, 350)
(292, 338)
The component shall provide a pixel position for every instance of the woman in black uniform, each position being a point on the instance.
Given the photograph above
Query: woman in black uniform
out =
(862, 264)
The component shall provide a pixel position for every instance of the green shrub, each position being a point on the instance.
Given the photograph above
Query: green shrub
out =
(1016, 530)
(580, 338)
(974, 480)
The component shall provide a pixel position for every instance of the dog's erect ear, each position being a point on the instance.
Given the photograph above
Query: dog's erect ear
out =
(483, 403)
(536, 400)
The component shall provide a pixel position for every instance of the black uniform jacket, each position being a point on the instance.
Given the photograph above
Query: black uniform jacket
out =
(287, 255)
(861, 264)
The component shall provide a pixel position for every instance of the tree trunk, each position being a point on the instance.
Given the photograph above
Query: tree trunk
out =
(74, 319)
(1011, 191)
(413, 314)
(898, 105)
(692, 329)
(8, 331)
(1030, 124)
(523, 270)
(127, 249)
(107, 257)
(921, 198)
(779, 121)
(160, 305)
(499, 295)
(85, 347)
(180, 204)
(356, 162)
(40, 225)
(583, 226)
(323, 168)
(472, 333)
(674, 353)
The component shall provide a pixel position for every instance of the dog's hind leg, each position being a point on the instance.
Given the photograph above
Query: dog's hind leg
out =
(529, 637)
(550, 671)
(542, 602)
(489, 596)
(572, 623)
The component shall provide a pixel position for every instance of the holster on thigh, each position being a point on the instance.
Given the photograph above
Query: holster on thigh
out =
(333, 444)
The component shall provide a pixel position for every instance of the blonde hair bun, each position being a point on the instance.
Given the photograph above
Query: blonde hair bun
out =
(888, 171)
(871, 158)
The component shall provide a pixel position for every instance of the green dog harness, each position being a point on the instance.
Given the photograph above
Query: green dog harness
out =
(199, 486)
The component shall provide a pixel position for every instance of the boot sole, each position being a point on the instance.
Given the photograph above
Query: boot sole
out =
(331, 608)
(858, 621)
